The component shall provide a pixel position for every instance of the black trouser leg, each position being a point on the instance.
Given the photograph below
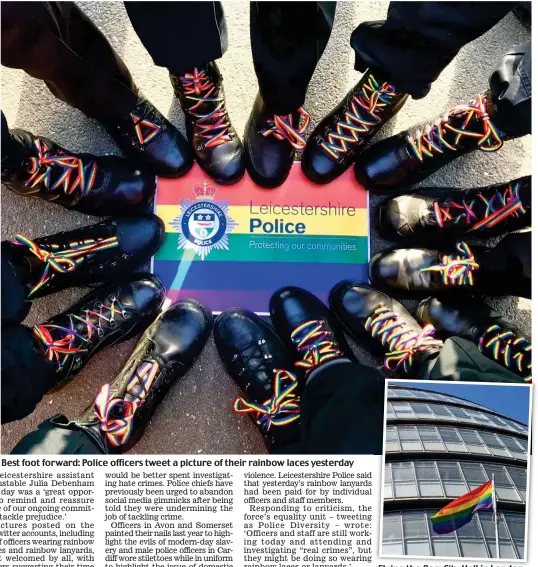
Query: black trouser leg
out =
(180, 35)
(26, 374)
(13, 153)
(56, 436)
(509, 264)
(419, 39)
(9, 146)
(58, 43)
(15, 306)
(288, 39)
(510, 85)
(342, 409)
(460, 360)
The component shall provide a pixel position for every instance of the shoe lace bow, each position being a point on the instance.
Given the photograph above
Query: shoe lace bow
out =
(282, 128)
(62, 260)
(456, 270)
(116, 414)
(432, 140)
(282, 408)
(315, 344)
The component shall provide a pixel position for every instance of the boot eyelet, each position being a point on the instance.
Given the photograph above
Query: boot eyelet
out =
(99, 305)
(125, 314)
(112, 323)
(100, 332)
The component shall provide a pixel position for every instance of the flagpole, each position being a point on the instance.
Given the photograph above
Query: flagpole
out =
(495, 516)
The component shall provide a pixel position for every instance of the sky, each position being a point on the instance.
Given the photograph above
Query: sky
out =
(509, 400)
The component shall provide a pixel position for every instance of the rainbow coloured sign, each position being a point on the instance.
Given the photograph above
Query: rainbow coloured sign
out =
(234, 246)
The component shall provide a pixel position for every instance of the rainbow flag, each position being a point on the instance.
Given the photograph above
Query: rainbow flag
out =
(460, 511)
(234, 246)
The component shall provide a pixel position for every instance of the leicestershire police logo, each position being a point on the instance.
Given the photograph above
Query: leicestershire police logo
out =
(203, 224)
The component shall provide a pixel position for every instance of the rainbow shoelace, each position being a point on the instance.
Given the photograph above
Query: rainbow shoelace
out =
(282, 128)
(456, 270)
(402, 342)
(73, 174)
(505, 347)
(432, 141)
(200, 89)
(59, 349)
(118, 429)
(361, 116)
(499, 207)
(66, 260)
(315, 344)
(281, 409)
(145, 129)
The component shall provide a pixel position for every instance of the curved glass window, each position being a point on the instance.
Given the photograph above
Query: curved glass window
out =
(410, 438)
(410, 533)
(450, 479)
(398, 392)
(399, 409)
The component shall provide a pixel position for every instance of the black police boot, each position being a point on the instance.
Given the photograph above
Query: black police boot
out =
(260, 365)
(410, 156)
(308, 329)
(271, 142)
(148, 138)
(384, 327)
(217, 147)
(93, 254)
(447, 213)
(168, 348)
(340, 136)
(504, 269)
(496, 338)
(104, 317)
(95, 185)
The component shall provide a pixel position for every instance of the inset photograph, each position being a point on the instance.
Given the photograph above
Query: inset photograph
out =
(456, 470)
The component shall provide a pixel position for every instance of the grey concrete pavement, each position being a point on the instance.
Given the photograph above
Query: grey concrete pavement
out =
(196, 416)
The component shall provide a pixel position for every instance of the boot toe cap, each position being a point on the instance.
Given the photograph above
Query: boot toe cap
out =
(183, 331)
(384, 267)
(140, 236)
(399, 216)
(318, 166)
(379, 169)
(169, 155)
(146, 293)
(354, 300)
(227, 166)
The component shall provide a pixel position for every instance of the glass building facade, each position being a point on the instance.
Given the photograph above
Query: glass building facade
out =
(439, 447)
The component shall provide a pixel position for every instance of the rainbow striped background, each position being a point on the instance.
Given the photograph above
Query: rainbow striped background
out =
(460, 511)
(246, 276)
